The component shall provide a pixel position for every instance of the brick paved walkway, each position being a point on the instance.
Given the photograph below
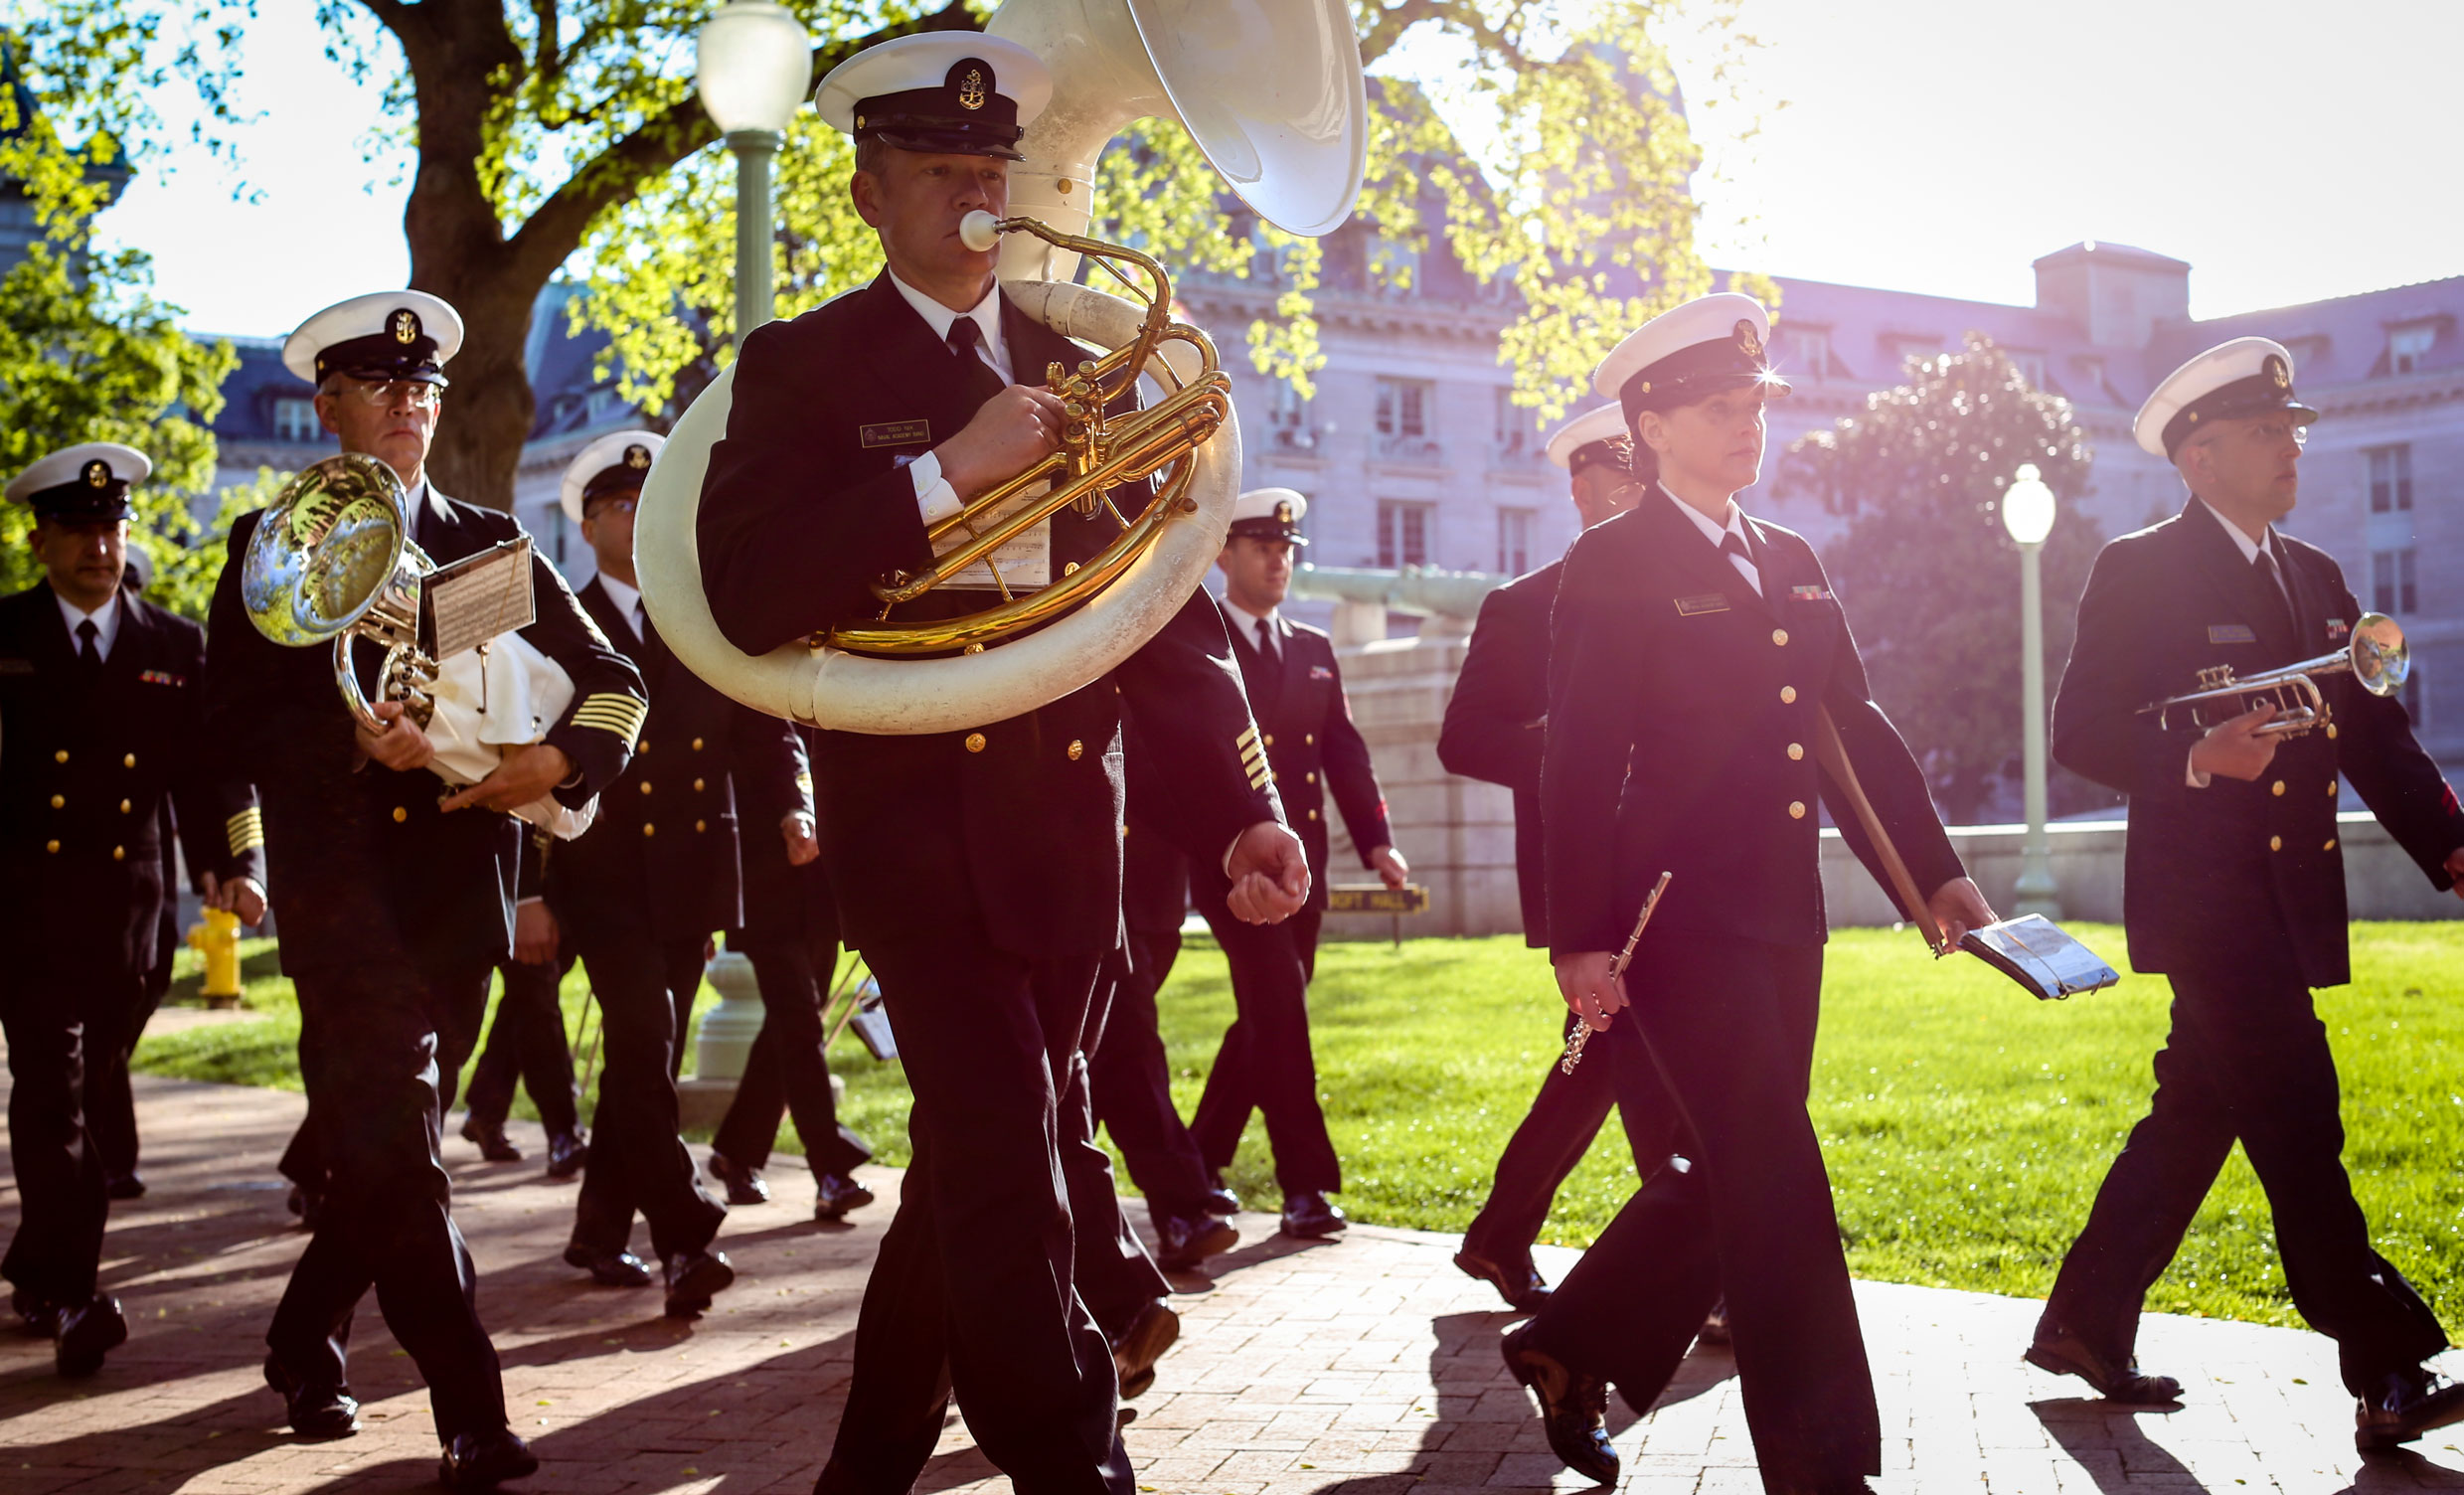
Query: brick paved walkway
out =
(1363, 1368)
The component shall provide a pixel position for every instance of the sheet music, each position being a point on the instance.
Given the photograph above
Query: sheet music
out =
(480, 596)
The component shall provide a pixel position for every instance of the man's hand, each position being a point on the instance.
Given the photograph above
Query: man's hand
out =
(1270, 874)
(245, 896)
(1958, 906)
(402, 747)
(2455, 870)
(1011, 431)
(803, 847)
(1591, 992)
(534, 933)
(2233, 748)
(1393, 869)
(523, 774)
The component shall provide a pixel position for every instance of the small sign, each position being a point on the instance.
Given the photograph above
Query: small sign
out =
(1709, 602)
(896, 433)
(481, 597)
(1377, 898)
(2231, 633)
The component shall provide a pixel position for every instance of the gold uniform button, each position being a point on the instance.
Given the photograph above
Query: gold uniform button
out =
(642, 746)
(1796, 750)
(2277, 788)
(1787, 695)
(1796, 809)
(696, 745)
(645, 786)
(975, 742)
(2331, 844)
(130, 761)
(119, 853)
(2331, 732)
(2275, 843)
(649, 829)
(1307, 739)
(52, 847)
(61, 757)
(2331, 789)
(1078, 749)
(1779, 636)
(1309, 779)
(401, 814)
(701, 825)
(124, 806)
(59, 800)
(1313, 814)
(697, 786)
(1268, 740)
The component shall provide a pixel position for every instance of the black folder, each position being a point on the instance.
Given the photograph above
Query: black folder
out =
(2033, 951)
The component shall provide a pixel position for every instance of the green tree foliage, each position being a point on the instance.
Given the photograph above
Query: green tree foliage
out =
(1928, 574)
(551, 136)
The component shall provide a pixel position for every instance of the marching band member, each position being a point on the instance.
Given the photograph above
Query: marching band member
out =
(1656, 765)
(396, 902)
(978, 871)
(2235, 891)
(99, 706)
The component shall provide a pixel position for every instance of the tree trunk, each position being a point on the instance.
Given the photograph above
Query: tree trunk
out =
(489, 409)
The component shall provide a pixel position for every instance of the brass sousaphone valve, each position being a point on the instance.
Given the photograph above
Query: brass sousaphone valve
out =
(2377, 659)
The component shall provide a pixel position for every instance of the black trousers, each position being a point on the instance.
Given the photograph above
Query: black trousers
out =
(637, 1160)
(1557, 1130)
(1115, 1276)
(110, 1107)
(527, 1042)
(1265, 1064)
(1130, 1081)
(788, 1071)
(456, 1007)
(369, 1054)
(1729, 1024)
(2247, 1061)
(974, 1289)
(63, 1030)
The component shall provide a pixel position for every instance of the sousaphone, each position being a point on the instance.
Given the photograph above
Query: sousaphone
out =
(1272, 92)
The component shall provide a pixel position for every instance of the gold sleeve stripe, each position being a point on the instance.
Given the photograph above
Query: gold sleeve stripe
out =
(804, 782)
(1248, 734)
(1252, 754)
(246, 830)
(618, 713)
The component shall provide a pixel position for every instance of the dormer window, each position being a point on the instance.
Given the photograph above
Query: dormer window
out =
(1805, 352)
(294, 420)
(2408, 347)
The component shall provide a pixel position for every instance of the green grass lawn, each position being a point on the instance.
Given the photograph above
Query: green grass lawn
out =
(1966, 1125)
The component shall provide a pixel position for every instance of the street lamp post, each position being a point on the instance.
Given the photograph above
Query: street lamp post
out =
(2027, 515)
(753, 62)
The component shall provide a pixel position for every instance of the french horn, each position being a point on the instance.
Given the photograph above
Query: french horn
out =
(1272, 91)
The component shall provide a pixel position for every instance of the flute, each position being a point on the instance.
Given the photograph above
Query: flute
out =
(1617, 971)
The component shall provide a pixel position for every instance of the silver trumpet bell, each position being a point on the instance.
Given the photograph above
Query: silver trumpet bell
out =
(332, 559)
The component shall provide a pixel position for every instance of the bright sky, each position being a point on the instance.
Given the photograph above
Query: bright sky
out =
(2289, 152)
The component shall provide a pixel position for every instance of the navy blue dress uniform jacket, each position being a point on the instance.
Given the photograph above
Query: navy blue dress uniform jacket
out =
(1682, 717)
(1015, 824)
(2162, 604)
(1309, 745)
(664, 846)
(84, 770)
(1495, 728)
(451, 878)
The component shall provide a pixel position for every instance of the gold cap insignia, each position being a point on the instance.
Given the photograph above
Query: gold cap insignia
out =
(637, 457)
(1283, 511)
(98, 474)
(406, 326)
(971, 91)
(1747, 342)
(2278, 373)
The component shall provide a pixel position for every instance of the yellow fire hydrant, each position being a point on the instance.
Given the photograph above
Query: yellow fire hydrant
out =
(217, 939)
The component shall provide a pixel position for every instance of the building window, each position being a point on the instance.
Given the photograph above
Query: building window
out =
(2391, 587)
(1805, 351)
(2031, 367)
(2408, 347)
(1287, 416)
(295, 420)
(2390, 479)
(1514, 433)
(1402, 532)
(1514, 542)
(1403, 407)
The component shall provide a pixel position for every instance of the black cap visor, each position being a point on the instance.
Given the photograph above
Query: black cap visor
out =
(2258, 395)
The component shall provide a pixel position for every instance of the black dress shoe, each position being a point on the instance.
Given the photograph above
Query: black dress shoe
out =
(124, 1186)
(834, 1194)
(745, 1185)
(314, 1410)
(1184, 1240)
(1521, 1285)
(41, 1314)
(1310, 1215)
(1143, 1343)
(484, 1460)
(1715, 1330)
(2066, 1354)
(609, 1269)
(566, 1153)
(1218, 1201)
(2408, 1404)
(494, 1145)
(694, 1279)
(87, 1334)
(1574, 1408)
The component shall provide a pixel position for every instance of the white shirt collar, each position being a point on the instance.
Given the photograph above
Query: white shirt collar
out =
(2243, 542)
(1248, 622)
(986, 314)
(425, 493)
(1712, 530)
(106, 621)
(625, 598)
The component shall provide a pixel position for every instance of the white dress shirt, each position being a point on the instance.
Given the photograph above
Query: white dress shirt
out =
(1248, 622)
(106, 621)
(936, 499)
(1716, 532)
(628, 601)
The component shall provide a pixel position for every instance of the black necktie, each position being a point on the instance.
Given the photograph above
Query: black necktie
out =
(1733, 544)
(1265, 640)
(2264, 562)
(88, 654)
(976, 377)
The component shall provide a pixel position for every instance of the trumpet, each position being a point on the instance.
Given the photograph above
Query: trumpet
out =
(2377, 659)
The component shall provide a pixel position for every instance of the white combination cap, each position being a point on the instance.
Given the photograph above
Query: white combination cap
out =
(2249, 376)
(618, 462)
(384, 335)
